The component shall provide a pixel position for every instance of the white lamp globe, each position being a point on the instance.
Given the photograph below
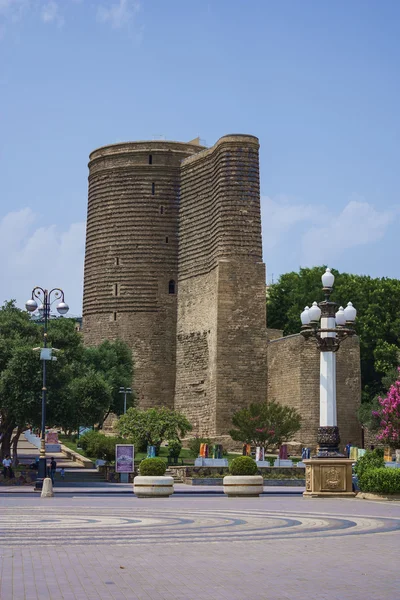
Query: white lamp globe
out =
(328, 279)
(305, 317)
(340, 317)
(62, 308)
(31, 305)
(314, 312)
(350, 312)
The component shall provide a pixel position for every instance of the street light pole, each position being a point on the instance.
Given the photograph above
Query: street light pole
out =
(336, 326)
(125, 391)
(31, 305)
(329, 473)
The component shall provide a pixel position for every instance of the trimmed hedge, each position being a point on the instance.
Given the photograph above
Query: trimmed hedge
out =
(98, 445)
(380, 481)
(370, 460)
(153, 466)
(243, 465)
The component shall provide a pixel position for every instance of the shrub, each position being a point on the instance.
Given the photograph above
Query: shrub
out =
(152, 466)
(97, 445)
(380, 481)
(194, 445)
(243, 465)
(174, 448)
(371, 460)
(86, 438)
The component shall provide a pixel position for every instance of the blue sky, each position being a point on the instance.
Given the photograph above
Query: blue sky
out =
(317, 82)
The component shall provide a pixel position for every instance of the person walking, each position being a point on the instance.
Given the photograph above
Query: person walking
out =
(53, 467)
(7, 470)
(62, 473)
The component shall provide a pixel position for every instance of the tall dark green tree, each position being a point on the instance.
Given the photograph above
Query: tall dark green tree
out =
(378, 315)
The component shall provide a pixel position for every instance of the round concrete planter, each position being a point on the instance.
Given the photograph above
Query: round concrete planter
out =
(155, 486)
(243, 485)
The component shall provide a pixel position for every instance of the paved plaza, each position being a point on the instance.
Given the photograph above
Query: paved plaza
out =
(198, 548)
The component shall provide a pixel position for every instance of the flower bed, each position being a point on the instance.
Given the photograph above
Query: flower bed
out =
(22, 477)
(214, 475)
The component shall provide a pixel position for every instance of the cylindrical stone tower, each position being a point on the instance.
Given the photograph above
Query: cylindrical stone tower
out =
(131, 259)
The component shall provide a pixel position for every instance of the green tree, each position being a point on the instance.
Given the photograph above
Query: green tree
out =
(267, 424)
(82, 383)
(114, 361)
(153, 426)
(378, 315)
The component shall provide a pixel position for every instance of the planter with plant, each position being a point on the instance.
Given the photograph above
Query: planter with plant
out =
(243, 479)
(152, 482)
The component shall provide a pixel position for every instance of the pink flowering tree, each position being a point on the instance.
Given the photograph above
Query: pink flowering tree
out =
(267, 424)
(388, 414)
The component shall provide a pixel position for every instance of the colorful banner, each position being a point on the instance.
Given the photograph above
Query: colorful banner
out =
(283, 452)
(246, 450)
(124, 458)
(151, 451)
(204, 450)
(217, 451)
(260, 454)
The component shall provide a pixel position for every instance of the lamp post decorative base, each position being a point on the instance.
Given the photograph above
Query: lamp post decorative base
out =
(329, 478)
(328, 439)
(38, 485)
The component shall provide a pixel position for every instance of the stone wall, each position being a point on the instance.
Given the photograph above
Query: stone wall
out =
(221, 328)
(293, 379)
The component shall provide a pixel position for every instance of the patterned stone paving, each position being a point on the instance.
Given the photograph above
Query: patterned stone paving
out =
(203, 548)
(144, 526)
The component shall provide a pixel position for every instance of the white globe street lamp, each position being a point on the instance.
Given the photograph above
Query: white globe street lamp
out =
(334, 328)
(31, 306)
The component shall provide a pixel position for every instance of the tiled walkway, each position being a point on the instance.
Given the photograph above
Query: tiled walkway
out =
(80, 548)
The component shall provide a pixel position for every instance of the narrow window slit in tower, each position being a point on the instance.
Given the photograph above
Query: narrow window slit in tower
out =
(150, 159)
(115, 289)
(117, 261)
(161, 210)
(153, 188)
(171, 287)
(166, 240)
(114, 316)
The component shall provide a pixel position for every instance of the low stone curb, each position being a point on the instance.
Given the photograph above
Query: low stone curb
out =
(371, 496)
(76, 457)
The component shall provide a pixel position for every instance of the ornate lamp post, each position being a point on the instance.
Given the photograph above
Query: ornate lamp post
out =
(328, 327)
(31, 305)
(125, 391)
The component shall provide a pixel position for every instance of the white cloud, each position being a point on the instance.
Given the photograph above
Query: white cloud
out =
(45, 256)
(281, 213)
(358, 224)
(13, 10)
(50, 13)
(118, 14)
(323, 235)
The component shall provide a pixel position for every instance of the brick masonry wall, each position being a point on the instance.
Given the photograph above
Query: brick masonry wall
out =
(293, 379)
(221, 347)
(132, 255)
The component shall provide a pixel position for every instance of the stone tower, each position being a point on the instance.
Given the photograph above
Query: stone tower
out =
(221, 330)
(173, 266)
(131, 259)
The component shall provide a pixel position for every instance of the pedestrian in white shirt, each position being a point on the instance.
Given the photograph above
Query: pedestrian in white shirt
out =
(7, 471)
